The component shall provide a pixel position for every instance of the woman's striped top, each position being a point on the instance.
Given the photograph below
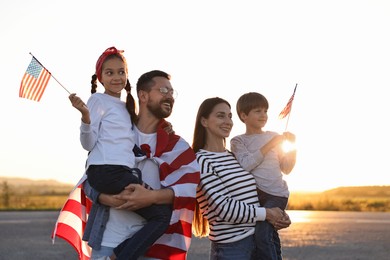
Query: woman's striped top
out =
(227, 197)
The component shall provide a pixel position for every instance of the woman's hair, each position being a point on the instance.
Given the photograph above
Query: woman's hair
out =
(108, 54)
(249, 101)
(200, 225)
(204, 111)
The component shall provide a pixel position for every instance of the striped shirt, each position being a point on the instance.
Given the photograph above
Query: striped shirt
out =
(227, 197)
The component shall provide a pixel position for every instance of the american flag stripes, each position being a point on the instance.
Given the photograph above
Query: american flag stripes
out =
(72, 220)
(287, 109)
(34, 81)
(178, 170)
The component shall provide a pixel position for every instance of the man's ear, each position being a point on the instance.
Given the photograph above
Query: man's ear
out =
(142, 95)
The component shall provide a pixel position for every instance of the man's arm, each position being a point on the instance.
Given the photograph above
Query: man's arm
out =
(136, 196)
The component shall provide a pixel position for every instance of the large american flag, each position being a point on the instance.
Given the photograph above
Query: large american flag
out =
(34, 81)
(71, 222)
(287, 109)
(178, 170)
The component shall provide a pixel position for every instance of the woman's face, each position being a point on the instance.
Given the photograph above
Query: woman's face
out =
(219, 124)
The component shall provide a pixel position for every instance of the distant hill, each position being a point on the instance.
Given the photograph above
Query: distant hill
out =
(353, 191)
(356, 198)
(23, 193)
(362, 191)
(14, 181)
(24, 185)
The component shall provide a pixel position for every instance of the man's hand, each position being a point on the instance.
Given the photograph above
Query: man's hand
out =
(135, 196)
(109, 200)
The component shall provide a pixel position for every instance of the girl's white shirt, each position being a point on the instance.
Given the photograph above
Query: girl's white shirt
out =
(109, 138)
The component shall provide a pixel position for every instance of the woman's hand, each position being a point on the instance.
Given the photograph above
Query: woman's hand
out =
(284, 222)
(278, 218)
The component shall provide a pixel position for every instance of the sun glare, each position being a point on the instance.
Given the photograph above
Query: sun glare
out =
(288, 146)
(299, 216)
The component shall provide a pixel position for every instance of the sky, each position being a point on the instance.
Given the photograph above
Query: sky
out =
(337, 51)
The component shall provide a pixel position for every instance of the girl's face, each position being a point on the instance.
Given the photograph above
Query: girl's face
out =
(114, 77)
(219, 123)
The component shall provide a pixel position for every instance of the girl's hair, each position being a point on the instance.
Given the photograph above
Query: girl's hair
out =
(249, 101)
(109, 54)
(200, 225)
(130, 103)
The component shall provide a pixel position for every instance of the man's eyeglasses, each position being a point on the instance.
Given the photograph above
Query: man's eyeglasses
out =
(164, 91)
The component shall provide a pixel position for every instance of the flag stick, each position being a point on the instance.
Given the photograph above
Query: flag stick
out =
(288, 117)
(50, 73)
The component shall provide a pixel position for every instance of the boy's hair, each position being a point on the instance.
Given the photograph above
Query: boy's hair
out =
(249, 101)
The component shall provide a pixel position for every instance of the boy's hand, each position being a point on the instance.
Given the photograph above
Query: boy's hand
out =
(289, 137)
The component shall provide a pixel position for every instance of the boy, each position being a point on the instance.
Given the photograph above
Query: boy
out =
(260, 152)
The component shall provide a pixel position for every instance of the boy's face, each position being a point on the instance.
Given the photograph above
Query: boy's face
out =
(256, 118)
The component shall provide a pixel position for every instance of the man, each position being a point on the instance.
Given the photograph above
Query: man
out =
(168, 165)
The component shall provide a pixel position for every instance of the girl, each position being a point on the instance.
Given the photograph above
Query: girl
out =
(106, 132)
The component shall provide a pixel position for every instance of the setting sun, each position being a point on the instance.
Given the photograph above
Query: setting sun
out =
(288, 146)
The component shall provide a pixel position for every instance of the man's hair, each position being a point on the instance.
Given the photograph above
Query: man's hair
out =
(249, 101)
(146, 82)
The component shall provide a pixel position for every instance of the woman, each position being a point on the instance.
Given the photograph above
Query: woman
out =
(227, 205)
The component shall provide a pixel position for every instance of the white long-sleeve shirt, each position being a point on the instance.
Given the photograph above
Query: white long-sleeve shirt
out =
(227, 197)
(109, 138)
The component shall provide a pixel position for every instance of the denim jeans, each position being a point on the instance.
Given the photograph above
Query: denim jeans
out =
(158, 218)
(268, 246)
(239, 250)
(103, 251)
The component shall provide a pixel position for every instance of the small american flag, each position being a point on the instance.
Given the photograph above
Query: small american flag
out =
(286, 110)
(34, 81)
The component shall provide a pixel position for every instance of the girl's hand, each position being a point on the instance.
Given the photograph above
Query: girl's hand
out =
(79, 104)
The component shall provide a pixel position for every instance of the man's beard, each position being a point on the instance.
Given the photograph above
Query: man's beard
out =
(157, 111)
